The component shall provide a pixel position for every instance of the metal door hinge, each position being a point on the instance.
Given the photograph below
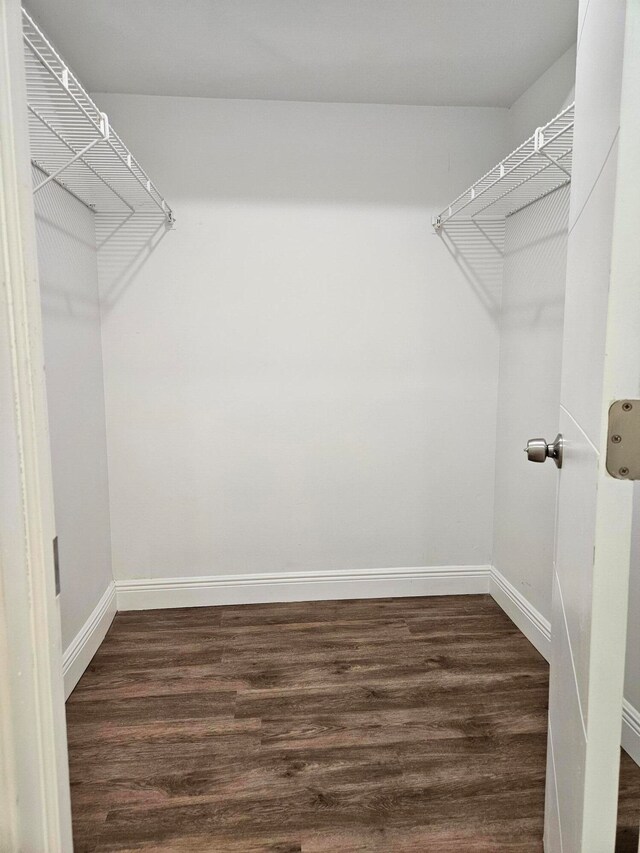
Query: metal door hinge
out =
(623, 440)
(56, 564)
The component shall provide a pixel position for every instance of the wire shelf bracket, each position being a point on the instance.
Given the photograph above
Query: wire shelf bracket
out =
(536, 168)
(72, 142)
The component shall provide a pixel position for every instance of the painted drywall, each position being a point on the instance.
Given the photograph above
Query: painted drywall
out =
(550, 94)
(632, 674)
(422, 52)
(299, 376)
(529, 394)
(73, 365)
(530, 358)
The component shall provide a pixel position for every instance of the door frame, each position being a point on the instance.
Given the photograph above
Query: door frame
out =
(35, 812)
(34, 783)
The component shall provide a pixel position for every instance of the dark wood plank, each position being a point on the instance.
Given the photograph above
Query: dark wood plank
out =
(399, 725)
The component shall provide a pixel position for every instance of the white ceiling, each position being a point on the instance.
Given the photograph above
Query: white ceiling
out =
(456, 52)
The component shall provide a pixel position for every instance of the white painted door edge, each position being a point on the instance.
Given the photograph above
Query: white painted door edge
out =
(35, 811)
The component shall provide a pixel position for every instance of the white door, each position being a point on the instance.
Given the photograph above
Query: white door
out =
(601, 363)
(34, 784)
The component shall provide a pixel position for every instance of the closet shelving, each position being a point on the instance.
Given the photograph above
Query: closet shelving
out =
(536, 168)
(72, 142)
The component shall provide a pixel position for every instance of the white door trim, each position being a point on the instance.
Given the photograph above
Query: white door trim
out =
(34, 785)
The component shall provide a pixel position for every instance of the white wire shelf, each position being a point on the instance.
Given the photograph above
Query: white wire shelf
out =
(539, 166)
(72, 142)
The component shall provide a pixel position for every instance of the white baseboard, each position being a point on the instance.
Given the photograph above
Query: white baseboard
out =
(151, 593)
(530, 621)
(631, 730)
(85, 644)
(537, 630)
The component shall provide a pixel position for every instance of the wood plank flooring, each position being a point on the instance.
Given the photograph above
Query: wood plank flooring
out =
(386, 726)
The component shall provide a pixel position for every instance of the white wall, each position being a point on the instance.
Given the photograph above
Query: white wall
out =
(531, 357)
(632, 680)
(543, 100)
(75, 396)
(299, 377)
(529, 394)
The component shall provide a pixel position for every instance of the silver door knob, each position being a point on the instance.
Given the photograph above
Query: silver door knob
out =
(538, 450)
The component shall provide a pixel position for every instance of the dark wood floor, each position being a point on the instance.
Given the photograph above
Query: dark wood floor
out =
(336, 727)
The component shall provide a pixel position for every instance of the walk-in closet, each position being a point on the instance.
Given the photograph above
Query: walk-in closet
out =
(322, 419)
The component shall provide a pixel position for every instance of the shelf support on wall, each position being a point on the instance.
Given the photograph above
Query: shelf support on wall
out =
(72, 142)
(536, 168)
